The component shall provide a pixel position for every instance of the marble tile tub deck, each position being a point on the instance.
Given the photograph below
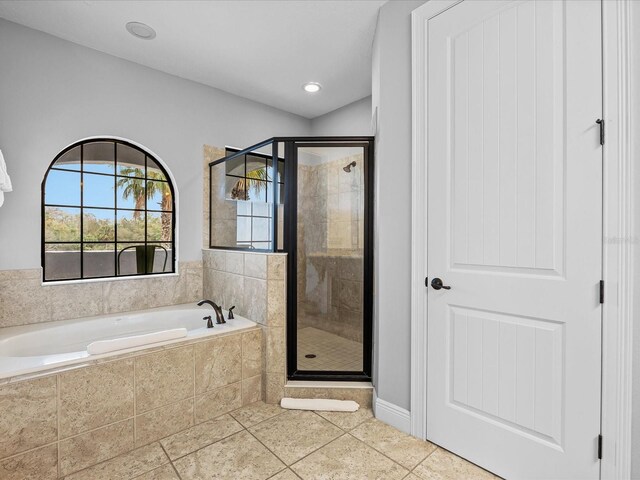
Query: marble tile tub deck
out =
(262, 441)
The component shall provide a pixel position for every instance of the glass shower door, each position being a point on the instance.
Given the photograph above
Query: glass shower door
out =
(330, 258)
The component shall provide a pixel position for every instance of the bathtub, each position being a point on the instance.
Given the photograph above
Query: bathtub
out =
(35, 348)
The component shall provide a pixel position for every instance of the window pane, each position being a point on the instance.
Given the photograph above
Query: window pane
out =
(261, 229)
(159, 225)
(62, 188)
(130, 161)
(131, 258)
(261, 245)
(98, 225)
(153, 170)
(70, 160)
(257, 190)
(62, 261)
(61, 224)
(161, 258)
(244, 208)
(244, 229)
(99, 260)
(98, 191)
(98, 157)
(235, 188)
(130, 226)
(261, 209)
(235, 166)
(158, 196)
(131, 193)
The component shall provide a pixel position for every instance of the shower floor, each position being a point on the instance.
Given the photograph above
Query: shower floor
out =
(332, 352)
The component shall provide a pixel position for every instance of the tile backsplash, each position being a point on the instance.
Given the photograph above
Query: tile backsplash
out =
(25, 300)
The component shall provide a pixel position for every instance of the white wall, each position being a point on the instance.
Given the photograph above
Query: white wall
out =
(53, 92)
(392, 96)
(352, 119)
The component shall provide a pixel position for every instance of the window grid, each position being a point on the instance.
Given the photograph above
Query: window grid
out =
(268, 181)
(115, 209)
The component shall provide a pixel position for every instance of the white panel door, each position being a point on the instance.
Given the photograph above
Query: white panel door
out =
(514, 169)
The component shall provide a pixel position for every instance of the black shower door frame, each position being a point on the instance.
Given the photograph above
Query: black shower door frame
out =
(291, 245)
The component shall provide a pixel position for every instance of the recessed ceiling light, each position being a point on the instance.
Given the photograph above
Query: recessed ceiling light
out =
(141, 30)
(312, 87)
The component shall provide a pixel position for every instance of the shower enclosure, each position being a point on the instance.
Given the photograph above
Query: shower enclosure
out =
(311, 197)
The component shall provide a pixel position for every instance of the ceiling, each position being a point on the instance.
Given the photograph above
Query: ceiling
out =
(263, 50)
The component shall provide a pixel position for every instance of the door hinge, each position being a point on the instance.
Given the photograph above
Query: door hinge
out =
(601, 291)
(600, 122)
(599, 447)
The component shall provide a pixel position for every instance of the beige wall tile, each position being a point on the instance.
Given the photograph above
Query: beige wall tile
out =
(276, 303)
(274, 388)
(276, 267)
(276, 349)
(125, 295)
(218, 362)
(22, 274)
(40, 464)
(251, 353)
(163, 378)
(127, 466)
(29, 417)
(194, 285)
(255, 265)
(169, 290)
(68, 301)
(251, 390)
(23, 301)
(234, 263)
(163, 421)
(95, 396)
(255, 299)
(233, 288)
(215, 259)
(218, 402)
(96, 446)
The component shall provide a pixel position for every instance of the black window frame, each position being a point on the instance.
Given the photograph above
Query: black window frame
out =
(115, 209)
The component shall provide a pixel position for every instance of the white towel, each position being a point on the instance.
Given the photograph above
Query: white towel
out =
(5, 181)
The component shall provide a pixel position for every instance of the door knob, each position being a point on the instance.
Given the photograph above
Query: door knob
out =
(436, 284)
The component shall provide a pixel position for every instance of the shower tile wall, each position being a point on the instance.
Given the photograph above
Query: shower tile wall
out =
(330, 245)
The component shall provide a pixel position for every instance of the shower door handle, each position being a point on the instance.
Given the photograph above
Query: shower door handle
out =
(437, 284)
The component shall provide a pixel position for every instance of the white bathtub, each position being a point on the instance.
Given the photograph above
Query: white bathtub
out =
(33, 348)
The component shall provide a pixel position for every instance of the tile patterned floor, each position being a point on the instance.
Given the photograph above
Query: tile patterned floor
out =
(261, 442)
(332, 352)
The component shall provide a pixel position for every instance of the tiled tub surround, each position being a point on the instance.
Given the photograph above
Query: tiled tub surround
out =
(255, 284)
(32, 349)
(61, 423)
(25, 300)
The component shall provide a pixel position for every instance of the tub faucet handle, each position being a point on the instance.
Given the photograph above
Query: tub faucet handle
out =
(230, 316)
(209, 321)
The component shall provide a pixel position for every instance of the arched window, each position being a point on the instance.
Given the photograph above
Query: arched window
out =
(108, 210)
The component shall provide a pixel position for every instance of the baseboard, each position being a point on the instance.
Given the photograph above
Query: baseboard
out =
(392, 414)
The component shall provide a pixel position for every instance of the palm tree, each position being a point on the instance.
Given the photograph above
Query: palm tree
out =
(135, 187)
(256, 179)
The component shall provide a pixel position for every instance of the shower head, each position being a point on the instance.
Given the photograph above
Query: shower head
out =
(348, 167)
